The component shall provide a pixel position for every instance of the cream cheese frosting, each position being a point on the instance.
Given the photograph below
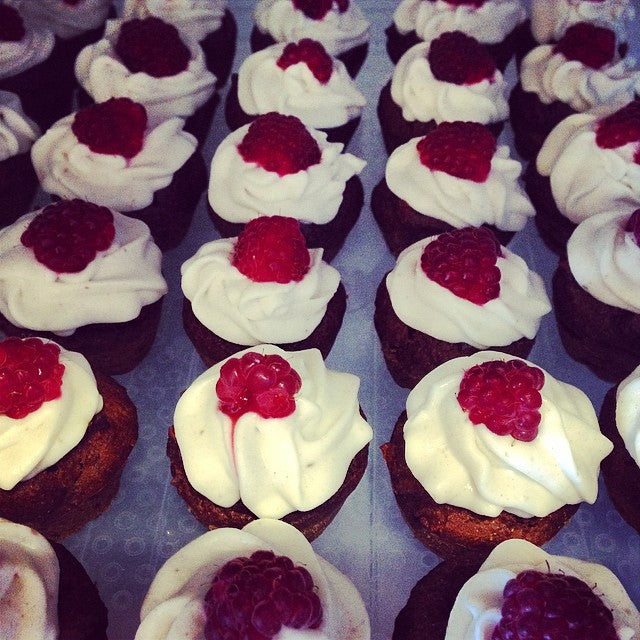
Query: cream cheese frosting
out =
(173, 608)
(628, 413)
(469, 466)
(277, 465)
(17, 131)
(35, 47)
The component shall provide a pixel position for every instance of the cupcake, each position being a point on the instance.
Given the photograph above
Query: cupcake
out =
(263, 287)
(450, 78)
(204, 588)
(452, 295)
(491, 447)
(107, 154)
(339, 25)
(299, 79)
(85, 276)
(278, 166)
(456, 176)
(282, 437)
(67, 432)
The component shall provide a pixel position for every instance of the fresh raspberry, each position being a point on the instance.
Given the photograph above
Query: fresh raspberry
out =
(620, 128)
(30, 375)
(460, 59)
(461, 149)
(504, 396)
(552, 606)
(464, 261)
(255, 597)
(318, 9)
(279, 143)
(11, 24)
(66, 236)
(114, 127)
(152, 46)
(633, 226)
(589, 44)
(312, 53)
(263, 384)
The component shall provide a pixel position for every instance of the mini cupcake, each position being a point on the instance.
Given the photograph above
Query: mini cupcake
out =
(204, 588)
(299, 79)
(451, 78)
(66, 435)
(490, 448)
(85, 276)
(453, 295)
(278, 166)
(282, 437)
(456, 176)
(339, 25)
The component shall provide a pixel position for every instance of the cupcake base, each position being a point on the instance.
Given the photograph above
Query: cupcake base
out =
(219, 48)
(18, 186)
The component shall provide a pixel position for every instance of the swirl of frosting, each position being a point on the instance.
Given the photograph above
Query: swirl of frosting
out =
(33, 443)
(277, 465)
(469, 466)
(17, 131)
(263, 86)
(69, 169)
(431, 308)
(338, 31)
(628, 413)
(18, 56)
(499, 200)
(248, 313)
(240, 191)
(173, 608)
(477, 608)
(111, 288)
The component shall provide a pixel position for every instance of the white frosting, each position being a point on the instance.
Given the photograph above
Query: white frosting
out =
(240, 191)
(248, 313)
(476, 610)
(431, 308)
(423, 97)
(628, 413)
(337, 31)
(69, 169)
(173, 608)
(34, 48)
(17, 131)
(112, 288)
(263, 87)
(499, 200)
(278, 465)
(469, 466)
(102, 75)
(33, 443)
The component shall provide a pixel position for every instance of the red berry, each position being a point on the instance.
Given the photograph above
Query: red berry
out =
(552, 606)
(589, 44)
(312, 53)
(114, 127)
(152, 46)
(11, 24)
(460, 59)
(461, 149)
(318, 9)
(620, 128)
(633, 226)
(504, 396)
(279, 143)
(464, 261)
(30, 375)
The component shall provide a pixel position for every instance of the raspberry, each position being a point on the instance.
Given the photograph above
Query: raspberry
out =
(552, 606)
(633, 226)
(318, 9)
(11, 24)
(461, 149)
(152, 46)
(313, 54)
(460, 59)
(587, 43)
(66, 236)
(30, 375)
(504, 396)
(464, 261)
(279, 143)
(255, 597)
(620, 128)
(264, 384)
(114, 127)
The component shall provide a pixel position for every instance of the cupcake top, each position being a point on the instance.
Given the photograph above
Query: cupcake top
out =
(279, 449)
(107, 275)
(628, 413)
(46, 410)
(278, 166)
(17, 131)
(537, 450)
(299, 79)
(188, 586)
(475, 182)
